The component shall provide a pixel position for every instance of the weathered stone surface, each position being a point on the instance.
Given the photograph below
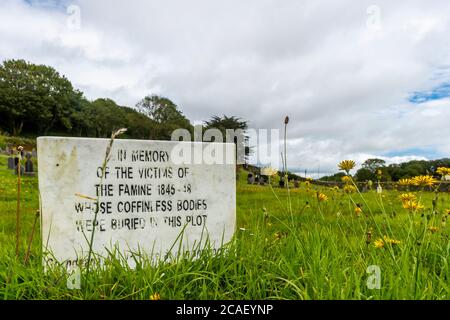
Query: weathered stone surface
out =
(146, 198)
(11, 164)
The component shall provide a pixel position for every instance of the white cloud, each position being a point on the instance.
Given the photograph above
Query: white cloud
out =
(344, 85)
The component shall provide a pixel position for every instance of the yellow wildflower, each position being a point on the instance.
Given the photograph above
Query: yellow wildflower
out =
(349, 188)
(379, 243)
(443, 171)
(358, 211)
(406, 197)
(346, 179)
(155, 296)
(346, 165)
(423, 181)
(322, 197)
(433, 229)
(413, 205)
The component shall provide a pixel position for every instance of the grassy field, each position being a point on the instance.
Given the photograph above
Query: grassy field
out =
(285, 247)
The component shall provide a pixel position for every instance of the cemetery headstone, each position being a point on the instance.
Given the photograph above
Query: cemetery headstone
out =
(263, 180)
(29, 165)
(250, 178)
(281, 183)
(296, 183)
(11, 164)
(147, 201)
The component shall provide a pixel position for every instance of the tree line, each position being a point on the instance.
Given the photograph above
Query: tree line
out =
(38, 100)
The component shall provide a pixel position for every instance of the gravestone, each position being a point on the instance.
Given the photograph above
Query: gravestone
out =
(34, 153)
(11, 164)
(250, 178)
(296, 183)
(29, 165)
(149, 200)
(262, 180)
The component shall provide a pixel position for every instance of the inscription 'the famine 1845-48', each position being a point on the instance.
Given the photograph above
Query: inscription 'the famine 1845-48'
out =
(141, 200)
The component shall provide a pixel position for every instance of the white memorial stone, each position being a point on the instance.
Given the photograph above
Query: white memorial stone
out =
(148, 202)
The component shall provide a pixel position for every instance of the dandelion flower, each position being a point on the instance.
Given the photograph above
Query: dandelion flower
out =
(358, 211)
(413, 205)
(155, 296)
(322, 197)
(346, 179)
(406, 197)
(349, 188)
(423, 181)
(433, 229)
(379, 243)
(346, 165)
(443, 171)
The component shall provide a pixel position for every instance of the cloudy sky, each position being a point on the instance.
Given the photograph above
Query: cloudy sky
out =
(358, 79)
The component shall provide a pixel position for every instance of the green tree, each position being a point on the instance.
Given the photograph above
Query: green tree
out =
(139, 125)
(364, 174)
(373, 164)
(107, 116)
(34, 97)
(165, 115)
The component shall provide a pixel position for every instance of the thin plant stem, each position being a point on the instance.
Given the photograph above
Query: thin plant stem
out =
(19, 184)
(286, 176)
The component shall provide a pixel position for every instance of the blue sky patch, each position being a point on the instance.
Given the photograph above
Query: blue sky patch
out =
(427, 152)
(443, 91)
(50, 4)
